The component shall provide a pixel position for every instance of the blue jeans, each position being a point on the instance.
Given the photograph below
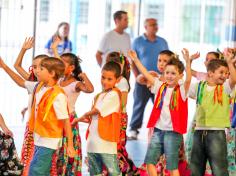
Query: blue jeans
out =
(141, 96)
(209, 145)
(164, 142)
(41, 163)
(96, 161)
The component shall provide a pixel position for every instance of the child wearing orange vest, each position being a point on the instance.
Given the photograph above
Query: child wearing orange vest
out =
(27, 150)
(169, 114)
(105, 119)
(49, 114)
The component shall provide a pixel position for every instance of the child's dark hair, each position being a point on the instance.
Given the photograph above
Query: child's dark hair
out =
(167, 52)
(120, 59)
(216, 54)
(214, 64)
(113, 67)
(72, 59)
(177, 63)
(32, 77)
(118, 14)
(54, 64)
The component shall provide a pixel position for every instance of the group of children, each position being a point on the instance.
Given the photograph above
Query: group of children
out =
(52, 144)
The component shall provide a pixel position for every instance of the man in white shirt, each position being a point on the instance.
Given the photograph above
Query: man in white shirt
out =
(115, 40)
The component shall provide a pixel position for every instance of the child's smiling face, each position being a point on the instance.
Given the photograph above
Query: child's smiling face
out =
(219, 75)
(172, 75)
(108, 80)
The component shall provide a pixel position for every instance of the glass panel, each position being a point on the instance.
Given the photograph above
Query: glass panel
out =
(190, 29)
(213, 24)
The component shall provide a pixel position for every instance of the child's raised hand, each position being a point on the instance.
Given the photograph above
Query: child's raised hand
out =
(28, 43)
(195, 56)
(132, 55)
(71, 151)
(185, 53)
(229, 55)
(55, 43)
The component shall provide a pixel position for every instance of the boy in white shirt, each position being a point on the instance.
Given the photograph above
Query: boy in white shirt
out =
(169, 114)
(104, 118)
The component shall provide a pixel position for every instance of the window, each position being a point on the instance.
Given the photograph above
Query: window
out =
(191, 23)
(83, 12)
(213, 24)
(44, 10)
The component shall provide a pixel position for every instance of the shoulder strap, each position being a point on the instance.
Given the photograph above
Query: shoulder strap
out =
(51, 94)
(37, 87)
(200, 89)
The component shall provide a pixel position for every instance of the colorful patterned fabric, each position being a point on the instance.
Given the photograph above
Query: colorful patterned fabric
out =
(126, 165)
(65, 165)
(27, 151)
(230, 137)
(9, 161)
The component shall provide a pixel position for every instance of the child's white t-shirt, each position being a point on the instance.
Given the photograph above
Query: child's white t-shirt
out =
(60, 107)
(164, 122)
(123, 86)
(107, 103)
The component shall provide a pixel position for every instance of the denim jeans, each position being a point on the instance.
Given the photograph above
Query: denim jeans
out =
(167, 142)
(209, 145)
(96, 161)
(41, 162)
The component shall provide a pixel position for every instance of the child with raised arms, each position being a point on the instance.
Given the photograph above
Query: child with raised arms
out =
(169, 114)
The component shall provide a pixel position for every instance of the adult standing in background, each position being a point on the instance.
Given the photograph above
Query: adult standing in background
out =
(65, 45)
(115, 40)
(148, 46)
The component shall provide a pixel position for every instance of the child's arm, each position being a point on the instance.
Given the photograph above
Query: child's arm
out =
(29, 43)
(142, 80)
(193, 57)
(85, 85)
(15, 77)
(4, 127)
(231, 60)
(86, 117)
(54, 45)
(132, 54)
(187, 59)
(68, 131)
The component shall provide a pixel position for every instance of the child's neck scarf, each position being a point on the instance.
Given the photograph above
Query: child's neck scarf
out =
(174, 97)
(218, 93)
